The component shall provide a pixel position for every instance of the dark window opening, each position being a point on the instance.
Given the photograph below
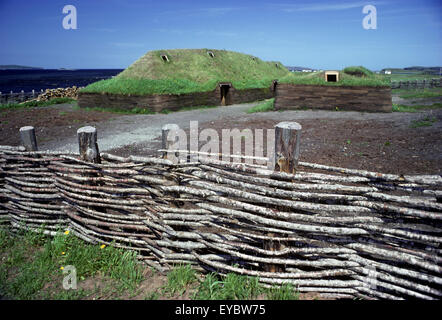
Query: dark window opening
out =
(211, 54)
(165, 58)
(277, 65)
(275, 83)
(331, 78)
(224, 92)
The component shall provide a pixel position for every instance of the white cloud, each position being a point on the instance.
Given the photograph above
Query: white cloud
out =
(328, 6)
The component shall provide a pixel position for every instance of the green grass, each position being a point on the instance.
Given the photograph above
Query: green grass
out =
(119, 110)
(345, 79)
(232, 287)
(418, 93)
(358, 71)
(267, 105)
(179, 278)
(415, 108)
(31, 260)
(425, 122)
(190, 70)
(411, 76)
(238, 287)
(284, 292)
(31, 265)
(141, 110)
(36, 103)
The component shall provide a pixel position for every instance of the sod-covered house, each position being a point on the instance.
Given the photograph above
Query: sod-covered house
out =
(353, 88)
(172, 79)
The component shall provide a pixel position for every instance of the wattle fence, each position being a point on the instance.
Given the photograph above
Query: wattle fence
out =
(339, 232)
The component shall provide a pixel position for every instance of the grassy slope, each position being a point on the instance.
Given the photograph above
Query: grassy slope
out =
(190, 70)
(317, 78)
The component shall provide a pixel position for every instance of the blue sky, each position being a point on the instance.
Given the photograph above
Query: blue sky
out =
(319, 34)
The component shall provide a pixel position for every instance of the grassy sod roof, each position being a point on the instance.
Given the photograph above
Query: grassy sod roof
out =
(350, 76)
(190, 70)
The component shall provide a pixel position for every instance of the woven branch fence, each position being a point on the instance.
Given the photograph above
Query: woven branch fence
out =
(342, 233)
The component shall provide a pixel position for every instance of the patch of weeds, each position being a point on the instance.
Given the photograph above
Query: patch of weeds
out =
(387, 143)
(415, 108)
(348, 141)
(233, 287)
(152, 296)
(30, 104)
(422, 93)
(135, 110)
(284, 292)
(425, 122)
(179, 278)
(267, 105)
(34, 261)
(6, 240)
(62, 113)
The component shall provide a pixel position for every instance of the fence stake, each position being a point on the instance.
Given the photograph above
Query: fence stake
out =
(286, 156)
(87, 142)
(27, 138)
(287, 139)
(165, 142)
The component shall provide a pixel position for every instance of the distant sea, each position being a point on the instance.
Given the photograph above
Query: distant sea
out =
(37, 79)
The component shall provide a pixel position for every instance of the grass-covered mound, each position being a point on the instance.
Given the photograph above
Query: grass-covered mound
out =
(350, 76)
(190, 70)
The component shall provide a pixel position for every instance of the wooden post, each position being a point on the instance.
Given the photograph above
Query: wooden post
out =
(27, 138)
(165, 142)
(287, 140)
(286, 156)
(87, 142)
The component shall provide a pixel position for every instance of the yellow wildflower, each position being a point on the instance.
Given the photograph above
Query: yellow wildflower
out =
(63, 253)
(102, 246)
(66, 232)
(61, 268)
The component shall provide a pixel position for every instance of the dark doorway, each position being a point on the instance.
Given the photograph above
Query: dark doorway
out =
(224, 94)
(331, 78)
(274, 84)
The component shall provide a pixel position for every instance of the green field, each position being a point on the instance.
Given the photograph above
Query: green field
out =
(418, 93)
(411, 77)
(190, 70)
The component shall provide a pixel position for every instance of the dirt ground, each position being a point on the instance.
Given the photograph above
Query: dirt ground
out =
(53, 122)
(384, 142)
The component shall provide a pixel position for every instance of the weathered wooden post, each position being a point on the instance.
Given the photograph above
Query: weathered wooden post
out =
(167, 141)
(28, 139)
(87, 143)
(286, 157)
(287, 140)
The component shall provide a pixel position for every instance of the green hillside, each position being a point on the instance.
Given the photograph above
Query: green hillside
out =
(190, 70)
(350, 76)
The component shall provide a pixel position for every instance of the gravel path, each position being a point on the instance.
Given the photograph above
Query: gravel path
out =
(124, 130)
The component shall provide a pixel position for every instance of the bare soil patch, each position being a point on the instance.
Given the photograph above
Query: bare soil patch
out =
(53, 122)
